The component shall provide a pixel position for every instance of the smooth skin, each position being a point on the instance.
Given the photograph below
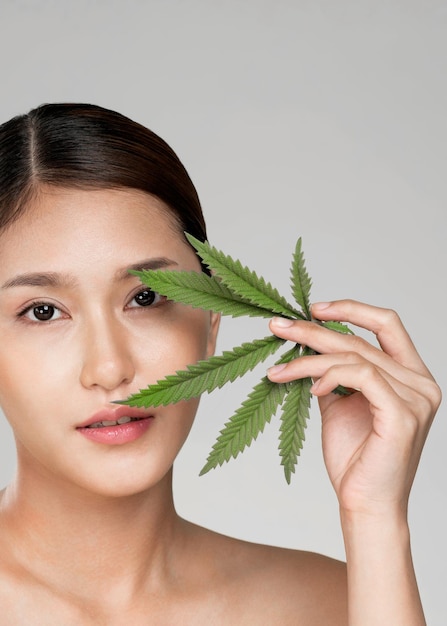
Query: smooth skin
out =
(88, 532)
(372, 442)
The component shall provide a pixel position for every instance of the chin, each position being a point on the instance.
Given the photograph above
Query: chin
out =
(130, 485)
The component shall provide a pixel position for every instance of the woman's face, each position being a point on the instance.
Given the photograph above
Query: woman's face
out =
(78, 332)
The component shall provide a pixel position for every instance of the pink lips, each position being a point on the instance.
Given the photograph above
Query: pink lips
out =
(96, 427)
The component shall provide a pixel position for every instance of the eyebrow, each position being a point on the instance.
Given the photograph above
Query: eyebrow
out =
(148, 264)
(54, 279)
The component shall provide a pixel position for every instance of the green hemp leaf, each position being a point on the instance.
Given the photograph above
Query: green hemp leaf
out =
(233, 289)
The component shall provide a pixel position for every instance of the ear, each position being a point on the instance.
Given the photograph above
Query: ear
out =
(212, 333)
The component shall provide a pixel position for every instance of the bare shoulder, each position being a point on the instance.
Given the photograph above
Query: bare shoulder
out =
(276, 585)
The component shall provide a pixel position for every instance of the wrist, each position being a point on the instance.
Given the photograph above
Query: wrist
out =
(382, 587)
(381, 525)
(374, 512)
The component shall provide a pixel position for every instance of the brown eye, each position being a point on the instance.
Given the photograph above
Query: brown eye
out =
(43, 312)
(146, 297)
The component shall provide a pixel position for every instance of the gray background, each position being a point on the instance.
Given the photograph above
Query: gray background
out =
(320, 119)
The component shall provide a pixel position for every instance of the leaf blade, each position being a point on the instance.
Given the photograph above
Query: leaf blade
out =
(338, 327)
(249, 419)
(205, 375)
(301, 282)
(200, 291)
(247, 423)
(295, 415)
(243, 281)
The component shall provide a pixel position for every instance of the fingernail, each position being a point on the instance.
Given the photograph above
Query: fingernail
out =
(282, 322)
(320, 306)
(275, 369)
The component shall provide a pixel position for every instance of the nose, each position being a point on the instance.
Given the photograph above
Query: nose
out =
(106, 360)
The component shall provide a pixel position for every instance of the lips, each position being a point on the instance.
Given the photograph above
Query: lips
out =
(122, 420)
(115, 416)
(116, 425)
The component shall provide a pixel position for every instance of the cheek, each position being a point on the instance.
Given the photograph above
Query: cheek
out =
(174, 344)
(194, 334)
(179, 419)
(17, 385)
(37, 378)
(32, 377)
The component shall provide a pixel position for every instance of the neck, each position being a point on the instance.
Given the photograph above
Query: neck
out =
(109, 542)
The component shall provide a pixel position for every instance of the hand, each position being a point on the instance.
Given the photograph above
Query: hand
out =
(372, 439)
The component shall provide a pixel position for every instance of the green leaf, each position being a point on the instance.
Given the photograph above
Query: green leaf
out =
(250, 419)
(338, 327)
(199, 290)
(242, 281)
(235, 290)
(301, 283)
(205, 375)
(246, 424)
(295, 414)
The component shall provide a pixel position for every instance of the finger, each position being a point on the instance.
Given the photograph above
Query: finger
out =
(384, 323)
(391, 424)
(365, 378)
(327, 367)
(327, 341)
(411, 386)
(396, 410)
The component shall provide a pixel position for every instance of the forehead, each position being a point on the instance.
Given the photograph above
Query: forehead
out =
(66, 227)
(72, 201)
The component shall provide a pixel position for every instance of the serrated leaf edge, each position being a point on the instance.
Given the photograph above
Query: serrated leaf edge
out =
(206, 375)
(200, 291)
(243, 281)
(249, 419)
(301, 282)
(294, 417)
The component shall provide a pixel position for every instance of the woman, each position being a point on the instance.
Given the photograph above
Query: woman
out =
(89, 533)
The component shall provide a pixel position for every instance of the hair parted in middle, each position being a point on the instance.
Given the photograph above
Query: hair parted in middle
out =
(89, 147)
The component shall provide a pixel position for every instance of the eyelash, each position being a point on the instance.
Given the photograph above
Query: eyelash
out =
(154, 303)
(41, 303)
(21, 314)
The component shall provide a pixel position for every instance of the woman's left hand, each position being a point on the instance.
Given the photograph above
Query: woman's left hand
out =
(372, 439)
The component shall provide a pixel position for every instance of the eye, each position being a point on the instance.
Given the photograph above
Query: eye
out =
(146, 297)
(41, 312)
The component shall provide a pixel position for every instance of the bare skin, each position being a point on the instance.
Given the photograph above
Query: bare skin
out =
(179, 574)
(88, 531)
(372, 442)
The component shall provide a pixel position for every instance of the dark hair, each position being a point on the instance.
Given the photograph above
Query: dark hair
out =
(87, 146)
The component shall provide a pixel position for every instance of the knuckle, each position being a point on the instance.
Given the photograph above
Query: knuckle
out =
(410, 427)
(351, 357)
(357, 343)
(433, 393)
(427, 401)
(425, 408)
(366, 370)
(390, 317)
